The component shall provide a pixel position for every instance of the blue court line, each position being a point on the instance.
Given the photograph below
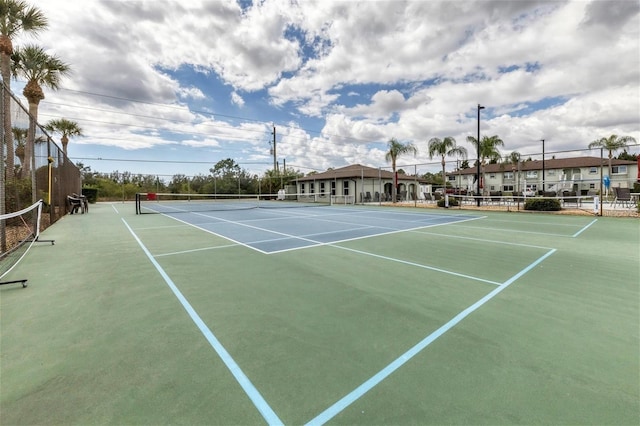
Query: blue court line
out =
(263, 407)
(585, 228)
(354, 395)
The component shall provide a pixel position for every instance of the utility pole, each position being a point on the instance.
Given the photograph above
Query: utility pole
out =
(478, 161)
(275, 164)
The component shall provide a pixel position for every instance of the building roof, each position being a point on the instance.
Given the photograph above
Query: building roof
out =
(355, 171)
(552, 163)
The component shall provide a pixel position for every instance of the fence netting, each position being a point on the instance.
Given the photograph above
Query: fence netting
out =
(31, 171)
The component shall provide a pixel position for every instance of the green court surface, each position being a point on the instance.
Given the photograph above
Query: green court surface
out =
(506, 318)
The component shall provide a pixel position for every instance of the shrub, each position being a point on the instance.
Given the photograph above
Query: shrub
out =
(542, 204)
(91, 194)
(452, 202)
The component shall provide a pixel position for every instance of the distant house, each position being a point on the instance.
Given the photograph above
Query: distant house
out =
(580, 174)
(358, 183)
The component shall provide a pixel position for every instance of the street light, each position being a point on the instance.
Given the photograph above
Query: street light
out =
(478, 160)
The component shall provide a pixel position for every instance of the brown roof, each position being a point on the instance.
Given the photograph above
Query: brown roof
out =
(355, 171)
(552, 163)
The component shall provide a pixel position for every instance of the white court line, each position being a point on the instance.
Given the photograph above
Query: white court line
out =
(515, 230)
(393, 231)
(482, 240)
(418, 265)
(146, 228)
(533, 223)
(314, 243)
(195, 250)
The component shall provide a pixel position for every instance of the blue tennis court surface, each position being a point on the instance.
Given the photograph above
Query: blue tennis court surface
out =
(278, 230)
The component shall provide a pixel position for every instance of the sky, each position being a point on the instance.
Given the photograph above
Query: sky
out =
(172, 87)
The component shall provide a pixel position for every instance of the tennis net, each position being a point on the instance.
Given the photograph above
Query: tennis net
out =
(148, 202)
(18, 232)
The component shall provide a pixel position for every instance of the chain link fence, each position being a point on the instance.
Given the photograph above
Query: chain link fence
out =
(32, 172)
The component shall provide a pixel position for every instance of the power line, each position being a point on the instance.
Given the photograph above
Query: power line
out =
(133, 160)
(208, 113)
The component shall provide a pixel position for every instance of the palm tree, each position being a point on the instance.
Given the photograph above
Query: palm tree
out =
(15, 16)
(66, 128)
(397, 149)
(20, 138)
(612, 144)
(445, 147)
(488, 148)
(39, 69)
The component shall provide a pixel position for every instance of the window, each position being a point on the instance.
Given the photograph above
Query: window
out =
(333, 187)
(592, 186)
(452, 177)
(551, 172)
(302, 188)
(532, 174)
(507, 176)
(492, 175)
(492, 188)
(507, 188)
(322, 188)
(593, 170)
(312, 188)
(345, 187)
(618, 170)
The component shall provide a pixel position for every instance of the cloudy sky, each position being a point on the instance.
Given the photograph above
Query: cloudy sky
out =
(175, 86)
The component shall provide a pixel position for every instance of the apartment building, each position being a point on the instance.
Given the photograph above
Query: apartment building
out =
(581, 174)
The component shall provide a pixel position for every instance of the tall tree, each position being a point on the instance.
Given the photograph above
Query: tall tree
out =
(445, 147)
(39, 69)
(66, 128)
(611, 144)
(488, 148)
(397, 149)
(15, 16)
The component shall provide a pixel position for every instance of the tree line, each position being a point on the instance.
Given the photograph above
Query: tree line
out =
(226, 177)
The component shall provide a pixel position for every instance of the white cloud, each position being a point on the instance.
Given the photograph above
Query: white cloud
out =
(417, 69)
(236, 99)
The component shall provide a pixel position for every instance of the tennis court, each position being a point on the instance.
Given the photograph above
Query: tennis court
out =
(334, 314)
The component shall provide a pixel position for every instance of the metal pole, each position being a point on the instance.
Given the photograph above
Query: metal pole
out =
(478, 160)
(275, 164)
(415, 185)
(543, 185)
(379, 186)
(601, 194)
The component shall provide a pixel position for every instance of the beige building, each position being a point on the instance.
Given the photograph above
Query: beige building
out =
(580, 174)
(357, 183)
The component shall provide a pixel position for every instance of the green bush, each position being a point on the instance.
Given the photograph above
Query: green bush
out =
(452, 202)
(542, 204)
(91, 194)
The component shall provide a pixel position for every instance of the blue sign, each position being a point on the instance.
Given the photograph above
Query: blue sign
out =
(606, 181)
